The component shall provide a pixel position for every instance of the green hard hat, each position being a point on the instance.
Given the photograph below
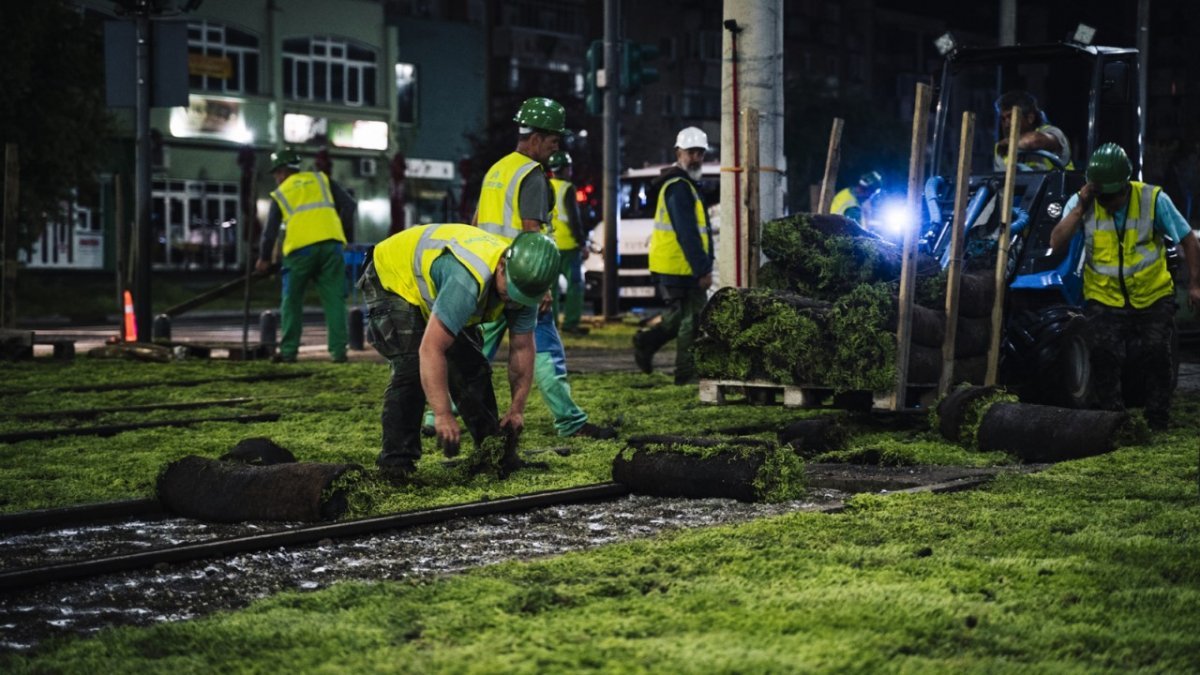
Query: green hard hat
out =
(285, 159)
(1109, 168)
(531, 267)
(542, 113)
(558, 160)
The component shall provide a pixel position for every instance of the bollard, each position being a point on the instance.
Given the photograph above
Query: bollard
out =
(268, 325)
(354, 321)
(160, 330)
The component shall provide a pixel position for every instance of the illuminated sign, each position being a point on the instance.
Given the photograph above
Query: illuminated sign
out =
(360, 134)
(212, 117)
(219, 67)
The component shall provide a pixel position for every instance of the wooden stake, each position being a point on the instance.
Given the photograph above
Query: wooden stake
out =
(908, 271)
(954, 276)
(831, 165)
(753, 203)
(1010, 175)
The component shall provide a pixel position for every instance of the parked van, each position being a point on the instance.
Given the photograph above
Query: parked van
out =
(637, 203)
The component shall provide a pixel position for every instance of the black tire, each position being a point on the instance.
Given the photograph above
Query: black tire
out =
(1074, 372)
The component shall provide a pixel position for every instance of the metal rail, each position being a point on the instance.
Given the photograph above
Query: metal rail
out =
(82, 514)
(114, 429)
(31, 576)
(263, 377)
(96, 412)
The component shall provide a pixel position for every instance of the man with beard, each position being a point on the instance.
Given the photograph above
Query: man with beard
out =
(681, 257)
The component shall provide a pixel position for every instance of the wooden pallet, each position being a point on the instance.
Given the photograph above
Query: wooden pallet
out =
(763, 392)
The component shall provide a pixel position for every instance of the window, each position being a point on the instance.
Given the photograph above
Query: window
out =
(222, 59)
(406, 93)
(327, 70)
(196, 225)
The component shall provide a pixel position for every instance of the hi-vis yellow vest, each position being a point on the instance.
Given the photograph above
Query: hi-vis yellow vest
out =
(403, 262)
(1137, 253)
(843, 202)
(666, 255)
(309, 215)
(499, 208)
(563, 236)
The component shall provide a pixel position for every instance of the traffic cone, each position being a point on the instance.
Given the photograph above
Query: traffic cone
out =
(130, 320)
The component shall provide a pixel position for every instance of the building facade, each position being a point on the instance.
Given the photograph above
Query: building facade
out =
(355, 94)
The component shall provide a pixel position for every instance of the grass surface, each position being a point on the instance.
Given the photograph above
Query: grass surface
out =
(1086, 567)
(1089, 566)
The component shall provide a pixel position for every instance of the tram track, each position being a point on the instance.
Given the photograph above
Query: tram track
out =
(24, 578)
(124, 386)
(27, 577)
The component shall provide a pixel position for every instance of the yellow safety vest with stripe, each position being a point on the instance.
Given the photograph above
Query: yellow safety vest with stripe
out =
(1135, 252)
(403, 263)
(1035, 163)
(563, 236)
(309, 216)
(499, 199)
(666, 255)
(843, 201)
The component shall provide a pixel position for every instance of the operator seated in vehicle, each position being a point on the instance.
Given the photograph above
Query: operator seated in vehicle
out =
(849, 201)
(1034, 133)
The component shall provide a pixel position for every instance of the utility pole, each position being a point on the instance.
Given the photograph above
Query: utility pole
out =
(751, 78)
(143, 237)
(1143, 47)
(612, 157)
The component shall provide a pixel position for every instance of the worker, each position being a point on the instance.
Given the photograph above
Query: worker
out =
(427, 289)
(516, 198)
(1128, 289)
(1034, 132)
(569, 234)
(681, 257)
(314, 212)
(849, 201)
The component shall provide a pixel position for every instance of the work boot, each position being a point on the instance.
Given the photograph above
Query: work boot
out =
(589, 430)
(643, 359)
(397, 470)
(283, 358)
(338, 358)
(579, 331)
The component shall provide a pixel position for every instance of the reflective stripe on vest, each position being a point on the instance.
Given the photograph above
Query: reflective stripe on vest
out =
(1135, 253)
(404, 262)
(561, 229)
(499, 207)
(666, 255)
(842, 202)
(309, 215)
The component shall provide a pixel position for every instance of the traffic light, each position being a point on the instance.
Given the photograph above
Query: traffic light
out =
(634, 71)
(593, 96)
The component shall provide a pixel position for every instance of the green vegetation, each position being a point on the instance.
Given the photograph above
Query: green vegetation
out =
(1088, 566)
(331, 416)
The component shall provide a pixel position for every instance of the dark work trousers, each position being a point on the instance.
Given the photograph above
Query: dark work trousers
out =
(678, 323)
(1133, 346)
(395, 328)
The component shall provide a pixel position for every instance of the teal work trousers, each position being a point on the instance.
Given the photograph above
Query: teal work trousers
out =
(322, 264)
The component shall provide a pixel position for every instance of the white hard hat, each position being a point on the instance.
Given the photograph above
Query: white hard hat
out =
(691, 137)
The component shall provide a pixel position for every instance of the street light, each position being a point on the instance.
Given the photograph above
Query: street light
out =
(946, 43)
